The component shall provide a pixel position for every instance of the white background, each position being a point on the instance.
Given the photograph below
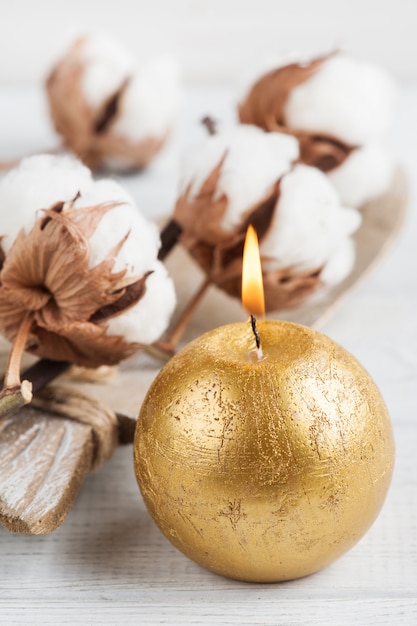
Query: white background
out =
(214, 40)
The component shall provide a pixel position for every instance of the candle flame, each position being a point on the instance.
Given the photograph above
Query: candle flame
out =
(252, 285)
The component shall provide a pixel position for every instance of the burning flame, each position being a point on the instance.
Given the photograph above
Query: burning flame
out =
(252, 285)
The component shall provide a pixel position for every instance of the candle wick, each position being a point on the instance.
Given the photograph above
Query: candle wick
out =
(255, 331)
(259, 352)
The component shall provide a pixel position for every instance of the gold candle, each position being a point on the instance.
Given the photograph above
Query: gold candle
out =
(263, 464)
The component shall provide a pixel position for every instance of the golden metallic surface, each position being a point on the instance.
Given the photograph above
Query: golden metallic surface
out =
(264, 470)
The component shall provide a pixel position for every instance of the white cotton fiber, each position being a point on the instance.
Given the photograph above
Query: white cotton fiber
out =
(253, 162)
(339, 263)
(106, 66)
(150, 102)
(346, 97)
(365, 174)
(310, 227)
(37, 183)
(142, 242)
(147, 320)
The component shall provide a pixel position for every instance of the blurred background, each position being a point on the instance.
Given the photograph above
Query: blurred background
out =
(213, 40)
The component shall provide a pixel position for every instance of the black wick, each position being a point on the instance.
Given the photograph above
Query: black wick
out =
(255, 331)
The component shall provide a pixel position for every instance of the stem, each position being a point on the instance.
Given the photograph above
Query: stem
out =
(15, 394)
(12, 376)
(166, 349)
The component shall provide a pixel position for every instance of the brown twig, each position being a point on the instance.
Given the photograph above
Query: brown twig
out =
(170, 235)
(43, 372)
(36, 377)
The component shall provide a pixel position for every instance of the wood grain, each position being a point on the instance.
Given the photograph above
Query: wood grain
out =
(43, 461)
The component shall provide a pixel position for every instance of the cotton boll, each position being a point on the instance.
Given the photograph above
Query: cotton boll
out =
(365, 174)
(340, 109)
(37, 183)
(253, 162)
(248, 176)
(345, 97)
(86, 265)
(110, 113)
(147, 320)
(309, 224)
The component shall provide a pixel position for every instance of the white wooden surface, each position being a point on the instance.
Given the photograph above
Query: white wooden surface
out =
(109, 564)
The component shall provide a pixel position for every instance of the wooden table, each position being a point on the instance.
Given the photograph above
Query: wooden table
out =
(109, 564)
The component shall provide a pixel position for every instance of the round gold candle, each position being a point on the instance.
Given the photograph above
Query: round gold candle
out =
(263, 469)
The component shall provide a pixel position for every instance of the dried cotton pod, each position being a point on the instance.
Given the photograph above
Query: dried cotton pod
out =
(340, 109)
(110, 114)
(244, 176)
(79, 269)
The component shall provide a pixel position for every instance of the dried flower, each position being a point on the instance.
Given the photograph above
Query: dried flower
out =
(340, 109)
(109, 114)
(80, 270)
(248, 176)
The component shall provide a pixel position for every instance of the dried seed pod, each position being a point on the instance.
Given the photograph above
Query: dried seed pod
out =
(82, 267)
(340, 109)
(109, 114)
(248, 176)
